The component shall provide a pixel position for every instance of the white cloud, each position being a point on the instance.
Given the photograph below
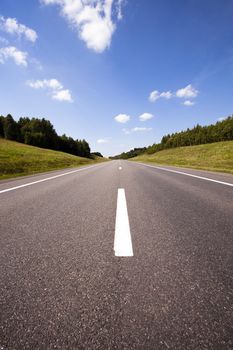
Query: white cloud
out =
(145, 116)
(188, 103)
(46, 83)
(11, 26)
(221, 119)
(12, 52)
(122, 118)
(188, 92)
(62, 95)
(136, 129)
(141, 129)
(91, 18)
(55, 88)
(119, 10)
(167, 95)
(101, 141)
(155, 95)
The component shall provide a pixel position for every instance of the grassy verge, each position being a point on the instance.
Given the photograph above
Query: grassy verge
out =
(17, 159)
(214, 157)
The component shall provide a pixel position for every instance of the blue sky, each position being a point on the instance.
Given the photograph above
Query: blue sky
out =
(119, 73)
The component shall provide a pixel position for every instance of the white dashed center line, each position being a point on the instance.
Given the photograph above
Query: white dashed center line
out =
(122, 241)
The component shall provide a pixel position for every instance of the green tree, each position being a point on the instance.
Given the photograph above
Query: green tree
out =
(2, 126)
(11, 129)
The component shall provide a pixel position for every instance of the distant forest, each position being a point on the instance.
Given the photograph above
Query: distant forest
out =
(221, 131)
(41, 133)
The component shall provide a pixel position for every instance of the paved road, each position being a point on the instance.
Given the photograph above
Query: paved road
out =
(62, 287)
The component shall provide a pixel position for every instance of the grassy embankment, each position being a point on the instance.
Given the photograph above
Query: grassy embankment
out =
(214, 157)
(17, 159)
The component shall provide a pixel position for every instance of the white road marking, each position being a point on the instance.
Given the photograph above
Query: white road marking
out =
(122, 240)
(120, 168)
(47, 179)
(187, 174)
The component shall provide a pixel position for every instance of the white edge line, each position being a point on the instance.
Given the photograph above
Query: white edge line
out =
(47, 178)
(122, 240)
(187, 174)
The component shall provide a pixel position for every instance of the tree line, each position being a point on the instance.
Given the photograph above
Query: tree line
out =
(130, 154)
(221, 131)
(41, 133)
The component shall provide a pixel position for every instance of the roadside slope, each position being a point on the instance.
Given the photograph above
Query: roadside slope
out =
(213, 156)
(17, 159)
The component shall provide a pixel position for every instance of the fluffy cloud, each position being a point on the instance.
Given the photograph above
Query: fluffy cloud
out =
(167, 95)
(91, 18)
(145, 116)
(136, 129)
(11, 26)
(188, 103)
(19, 57)
(62, 95)
(55, 89)
(101, 141)
(187, 92)
(122, 118)
(155, 95)
(41, 84)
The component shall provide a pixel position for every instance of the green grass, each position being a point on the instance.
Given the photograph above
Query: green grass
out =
(17, 159)
(214, 157)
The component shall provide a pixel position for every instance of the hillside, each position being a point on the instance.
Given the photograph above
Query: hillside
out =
(41, 133)
(17, 159)
(198, 135)
(214, 157)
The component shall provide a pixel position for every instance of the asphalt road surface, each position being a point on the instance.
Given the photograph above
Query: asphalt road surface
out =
(167, 285)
